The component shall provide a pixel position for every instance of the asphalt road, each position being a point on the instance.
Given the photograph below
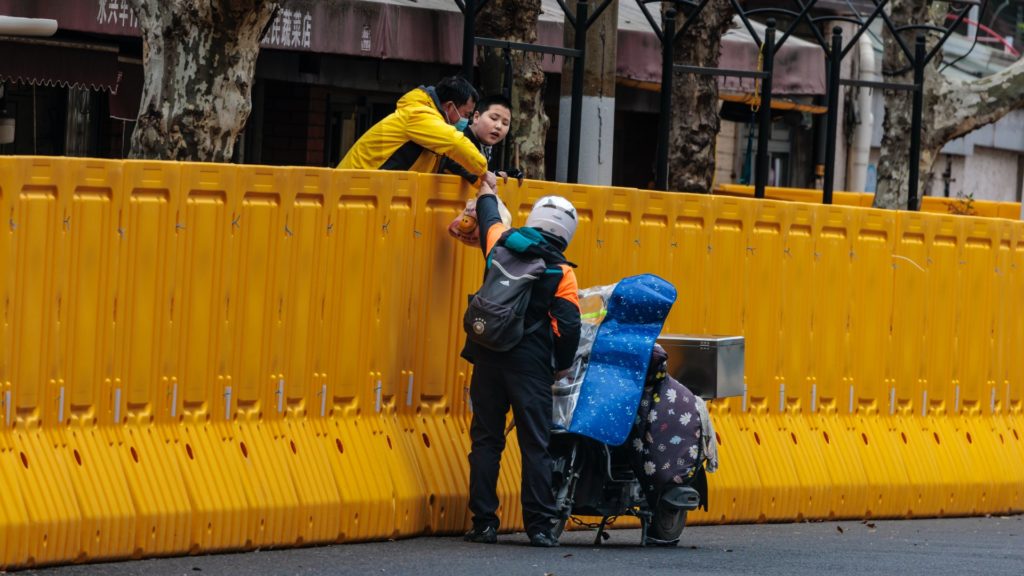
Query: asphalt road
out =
(962, 546)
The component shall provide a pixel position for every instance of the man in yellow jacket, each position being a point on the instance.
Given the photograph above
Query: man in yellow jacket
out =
(426, 126)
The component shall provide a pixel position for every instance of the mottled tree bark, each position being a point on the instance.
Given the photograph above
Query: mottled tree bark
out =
(199, 59)
(951, 108)
(516, 20)
(695, 120)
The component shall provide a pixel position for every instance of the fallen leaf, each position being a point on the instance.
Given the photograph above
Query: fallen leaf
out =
(840, 529)
(567, 556)
(871, 525)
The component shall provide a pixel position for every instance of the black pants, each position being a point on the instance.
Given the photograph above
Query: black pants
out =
(492, 391)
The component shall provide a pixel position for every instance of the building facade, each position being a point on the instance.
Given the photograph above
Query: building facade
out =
(329, 69)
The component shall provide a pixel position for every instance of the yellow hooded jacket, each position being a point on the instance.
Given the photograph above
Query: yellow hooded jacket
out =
(414, 137)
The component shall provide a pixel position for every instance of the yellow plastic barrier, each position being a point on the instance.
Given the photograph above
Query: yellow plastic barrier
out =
(930, 204)
(202, 357)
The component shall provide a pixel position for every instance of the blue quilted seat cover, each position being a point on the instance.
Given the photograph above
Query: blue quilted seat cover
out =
(610, 393)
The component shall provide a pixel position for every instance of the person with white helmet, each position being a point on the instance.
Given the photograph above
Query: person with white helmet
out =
(521, 378)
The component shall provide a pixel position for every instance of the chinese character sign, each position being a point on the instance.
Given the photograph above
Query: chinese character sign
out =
(290, 29)
(117, 13)
(364, 40)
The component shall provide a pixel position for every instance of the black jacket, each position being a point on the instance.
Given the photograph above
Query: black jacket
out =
(450, 166)
(554, 298)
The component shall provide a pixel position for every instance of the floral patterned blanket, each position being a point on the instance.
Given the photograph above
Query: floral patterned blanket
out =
(670, 439)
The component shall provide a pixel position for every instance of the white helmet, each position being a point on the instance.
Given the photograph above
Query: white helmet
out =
(554, 215)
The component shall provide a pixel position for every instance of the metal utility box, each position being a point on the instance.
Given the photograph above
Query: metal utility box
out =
(710, 366)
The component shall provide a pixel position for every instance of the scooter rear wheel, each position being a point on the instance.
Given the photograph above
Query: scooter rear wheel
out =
(667, 524)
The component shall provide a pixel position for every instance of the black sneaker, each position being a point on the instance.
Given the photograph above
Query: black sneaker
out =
(543, 540)
(485, 535)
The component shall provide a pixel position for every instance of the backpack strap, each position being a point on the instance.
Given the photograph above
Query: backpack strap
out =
(533, 327)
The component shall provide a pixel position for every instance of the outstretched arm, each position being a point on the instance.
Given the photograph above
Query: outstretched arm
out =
(488, 218)
(426, 128)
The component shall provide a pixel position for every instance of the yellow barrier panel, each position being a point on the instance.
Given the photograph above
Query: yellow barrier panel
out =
(929, 204)
(817, 491)
(1008, 429)
(433, 397)
(847, 475)
(780, 482)
(149, 304)
(302, 390)
(737, 487)
(871, 247)
(984, 208)
(808, 195)
(203, 357)
(797, 291)
(14, 518)
(830, 302)
(889, 482)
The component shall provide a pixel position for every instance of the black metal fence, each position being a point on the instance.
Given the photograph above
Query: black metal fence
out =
(799, 14)
(581, 22)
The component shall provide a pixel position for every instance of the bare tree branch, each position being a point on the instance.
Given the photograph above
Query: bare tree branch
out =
(962, 107)
(951, 109)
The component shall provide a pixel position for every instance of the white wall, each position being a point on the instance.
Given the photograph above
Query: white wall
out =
(726, 171)
(988, 174)
(991, 174)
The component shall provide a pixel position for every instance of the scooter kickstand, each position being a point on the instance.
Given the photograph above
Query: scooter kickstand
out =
(601, 534)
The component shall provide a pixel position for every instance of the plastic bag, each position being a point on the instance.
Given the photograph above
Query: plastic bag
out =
(465, 228)
(708, 437)
(566, 392)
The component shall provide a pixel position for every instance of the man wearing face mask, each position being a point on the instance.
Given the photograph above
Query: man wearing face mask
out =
(426, 126)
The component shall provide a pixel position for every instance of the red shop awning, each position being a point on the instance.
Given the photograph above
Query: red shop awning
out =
(42, 62)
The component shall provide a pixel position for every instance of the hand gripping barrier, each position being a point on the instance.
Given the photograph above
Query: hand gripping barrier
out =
(201, 357)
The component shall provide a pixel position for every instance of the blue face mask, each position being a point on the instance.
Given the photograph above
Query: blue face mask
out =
(461, 124)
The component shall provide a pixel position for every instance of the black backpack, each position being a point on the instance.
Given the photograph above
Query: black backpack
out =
(495, 316)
